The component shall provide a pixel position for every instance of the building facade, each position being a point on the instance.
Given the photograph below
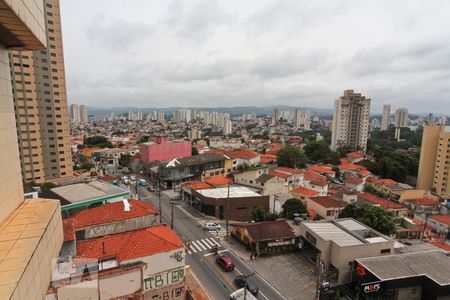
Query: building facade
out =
(74, 113)
(385, 119)
(350, 125)
(401, 117)
(435, 159)
(84, 114)
(162, 149)
(31, 231)
(40, 100)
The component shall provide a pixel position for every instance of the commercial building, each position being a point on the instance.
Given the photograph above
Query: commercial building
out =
(410, 276)
(435, 159)
(339, 242)
(386, 118)
(147, 263)
(401, 118)
(162, 149)
(30, 231)
(236, 201)
(195, 168)
(40, 100)
(268, 237)
(350, 121)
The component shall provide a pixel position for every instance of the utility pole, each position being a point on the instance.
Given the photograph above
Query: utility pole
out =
(171, 214)
(158, 191)
(228, 209)
(245, 283)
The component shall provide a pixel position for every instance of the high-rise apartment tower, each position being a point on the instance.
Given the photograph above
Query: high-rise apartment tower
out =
(401, 118)
(385, 119)
(84, 114)
(74, 113)
(40, 100)
(350, 125)
(435, 159)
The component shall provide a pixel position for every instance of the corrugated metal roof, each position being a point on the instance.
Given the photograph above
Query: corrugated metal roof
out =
(330, 232)
(351, 224)
(235, 192)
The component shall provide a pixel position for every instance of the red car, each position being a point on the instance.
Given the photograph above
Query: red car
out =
(225, 263)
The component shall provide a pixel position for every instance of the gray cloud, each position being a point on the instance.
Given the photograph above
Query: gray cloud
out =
(231, 52)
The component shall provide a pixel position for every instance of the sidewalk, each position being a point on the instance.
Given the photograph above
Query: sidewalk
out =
(194, 288)
(289, 273)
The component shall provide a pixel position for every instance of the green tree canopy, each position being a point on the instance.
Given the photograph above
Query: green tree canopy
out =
(97, 141)
(194, 151)
(293, 206)
(259, 214)
(291, 157)
(372, 216)
(87, 165)
(125, 160)
(143, 139)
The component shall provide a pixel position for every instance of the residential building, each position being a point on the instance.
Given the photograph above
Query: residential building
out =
(39, 89)
(355, 183)
(276, 115)
(30, 231)
(409, 276)
(244, 158)
(386, 118)
(339, 242)
(228, 127)
(163, 149)
(399, 211)
(350, 121)
(302, 193)
(112, 156)
(74, 113)
(401, 117)
(84, 114)
(236, 201)
(161, 117)
(328, 207)
(435, 159)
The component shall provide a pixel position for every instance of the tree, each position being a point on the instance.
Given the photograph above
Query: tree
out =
(87, 165)
(291, 157)
(194, 151)
(46, 186)
(293, 206)
(372, 216)
(143, 139)
(125, 160)
(317, 151)
(97, 141)
(259, 214)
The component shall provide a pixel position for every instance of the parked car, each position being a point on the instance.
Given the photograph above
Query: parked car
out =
(225, 263)
(211, 226)
(142, 182)
(132, 178)
(240, 282)
(151, 188)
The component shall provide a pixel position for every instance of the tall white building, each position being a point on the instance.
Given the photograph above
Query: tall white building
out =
(385, 119)
(401, 118)
(276, 117)
(350, 121)
(228, 128)
(74, 113)
(83, 114)
(160, 118)
(301, 120)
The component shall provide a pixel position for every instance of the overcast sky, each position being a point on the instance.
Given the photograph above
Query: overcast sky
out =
(159, 53)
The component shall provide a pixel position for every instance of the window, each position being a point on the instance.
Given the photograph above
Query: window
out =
(310, 238)
(384, 251)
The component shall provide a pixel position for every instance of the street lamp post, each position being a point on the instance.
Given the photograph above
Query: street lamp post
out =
(228, 209)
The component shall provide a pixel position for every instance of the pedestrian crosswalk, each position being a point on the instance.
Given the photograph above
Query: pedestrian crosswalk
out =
(222, 232)
(201, 245)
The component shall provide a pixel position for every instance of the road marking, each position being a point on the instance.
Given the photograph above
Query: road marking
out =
(202, 242)
(221, 251)
(259, 292)
(208, 242)
(191, 247)
(199, 246)
(214, 241)
(189, 251)
(240, 273)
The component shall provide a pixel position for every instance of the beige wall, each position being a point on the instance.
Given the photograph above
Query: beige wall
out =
(86, 290)
(122, 284)
(322, 211)
(428, 152)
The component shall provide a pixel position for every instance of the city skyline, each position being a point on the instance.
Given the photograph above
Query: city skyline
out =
(181, 53)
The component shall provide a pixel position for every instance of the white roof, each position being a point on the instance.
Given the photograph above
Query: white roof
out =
(351, 224)
(330, 232)
(377, 239)
(235, 192)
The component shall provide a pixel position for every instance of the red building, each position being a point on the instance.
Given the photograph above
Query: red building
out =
(161, 149)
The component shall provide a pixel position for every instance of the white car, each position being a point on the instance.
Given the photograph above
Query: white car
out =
(132, 178)
(211, 226)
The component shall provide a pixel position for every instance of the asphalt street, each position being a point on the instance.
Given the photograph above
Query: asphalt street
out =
(219, 284)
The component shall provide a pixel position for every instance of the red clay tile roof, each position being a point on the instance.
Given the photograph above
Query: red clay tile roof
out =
(328, 201)
(269, 230)
(319, 182)
(364, 173)
(268, 158)
(353, 180)
(304, 192)
(112, 212)
(355, 154)
(443, 219)
(350, 167)
(312, 214)
(218, 181)
(289, 170)
(243, 154)
(279, 174)
(385, 181)
(384, 203)
(321, 169)
(444, 246)
(130, 245)
(108, 178)
(199, 186)
(310, 175)
(423, 201)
